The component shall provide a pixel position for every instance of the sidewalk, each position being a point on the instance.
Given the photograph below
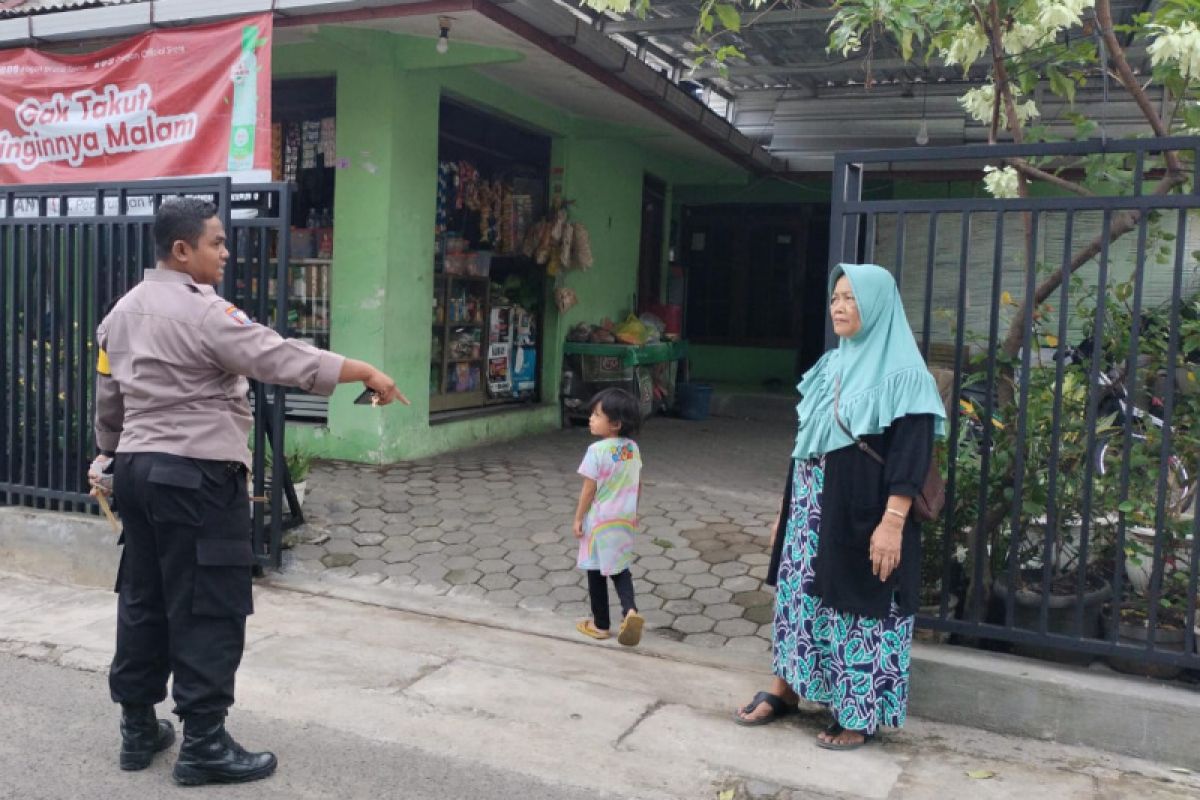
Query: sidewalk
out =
(494, 523)
(644, 723)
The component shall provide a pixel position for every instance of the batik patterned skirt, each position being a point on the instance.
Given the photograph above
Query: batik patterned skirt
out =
(857, 666)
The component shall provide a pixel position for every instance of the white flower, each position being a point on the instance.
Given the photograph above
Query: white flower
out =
(978, 105)
(852, 44)
(1177, 45)
(1001, 183)
(1023, 36)
(608, 5)
(1057, 14)
(967, 46)
(960, 554)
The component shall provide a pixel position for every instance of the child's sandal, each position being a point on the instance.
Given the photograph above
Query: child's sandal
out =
(589, 629)
(631, 629)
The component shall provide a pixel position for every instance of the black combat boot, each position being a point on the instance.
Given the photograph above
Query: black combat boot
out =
(210, 755)
(142, 735)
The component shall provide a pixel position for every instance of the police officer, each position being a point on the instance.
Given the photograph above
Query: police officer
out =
(172, 421)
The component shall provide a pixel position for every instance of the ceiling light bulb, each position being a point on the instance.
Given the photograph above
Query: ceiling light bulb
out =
(443, 42)
(923, 133)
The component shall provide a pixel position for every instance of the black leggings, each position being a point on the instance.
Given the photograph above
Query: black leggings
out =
(598, 591)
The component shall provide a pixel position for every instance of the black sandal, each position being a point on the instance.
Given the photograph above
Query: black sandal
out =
(837, 730)
(779, 708)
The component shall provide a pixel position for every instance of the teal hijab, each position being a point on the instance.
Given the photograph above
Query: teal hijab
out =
(883, 376)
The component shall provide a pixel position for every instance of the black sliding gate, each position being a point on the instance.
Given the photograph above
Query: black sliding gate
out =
(67, 253)
(1065, 331)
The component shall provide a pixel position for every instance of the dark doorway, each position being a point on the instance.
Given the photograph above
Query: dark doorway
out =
(654, 202)
(756, 276)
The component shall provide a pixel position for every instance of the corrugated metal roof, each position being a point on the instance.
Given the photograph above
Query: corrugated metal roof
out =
(14, 8)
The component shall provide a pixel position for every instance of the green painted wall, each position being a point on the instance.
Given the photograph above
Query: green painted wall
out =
(388, 91)
(745, 366)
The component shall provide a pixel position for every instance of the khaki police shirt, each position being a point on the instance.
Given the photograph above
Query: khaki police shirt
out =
(173, 359)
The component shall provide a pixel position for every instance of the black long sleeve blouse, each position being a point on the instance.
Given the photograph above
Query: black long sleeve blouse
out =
(853, 500)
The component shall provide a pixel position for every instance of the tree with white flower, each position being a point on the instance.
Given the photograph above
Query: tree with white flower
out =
(1055, 45)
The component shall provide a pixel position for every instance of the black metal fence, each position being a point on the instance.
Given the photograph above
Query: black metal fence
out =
(67, 253)
(1065, 332)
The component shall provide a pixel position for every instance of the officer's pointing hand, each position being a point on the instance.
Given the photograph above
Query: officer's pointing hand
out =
(385, 389)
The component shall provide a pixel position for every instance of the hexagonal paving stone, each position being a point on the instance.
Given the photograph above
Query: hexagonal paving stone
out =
(428, 534)
(430, 560)
(522, 557)
(684, 607)
(555, 549)
(693, 623)
(370, 539)
(692, 566)
(754, 598)
(681, 553)
(493, 566)
(757, 559)
(399, 582)
(719, 611)
(565, 578)
(760, 614)
(712, 596)
(703, 639)
(370, 552)
(658, 618)
(367, 566)
(395, 556)
(422, 548)
(741, 583)
(527, 572)
(557, 563)
(456, 577)
(338, 560)
(702, 580)
(661, 576)
(460, 562)
(496, 581)
(735, 627)
(467, 590)
(656, 563)
(649, 602)
(749, 644)
(490, 552)
(673, 591)
(338, 545)
(566, 594)
(503, 597)
(396, 570)
(459, 550)
(532, 588)
(576, 609)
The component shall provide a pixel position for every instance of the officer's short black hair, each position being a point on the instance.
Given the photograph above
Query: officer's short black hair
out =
(620, 407)
(180, 219)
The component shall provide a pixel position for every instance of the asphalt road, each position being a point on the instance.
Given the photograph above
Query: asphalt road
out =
(59, 740)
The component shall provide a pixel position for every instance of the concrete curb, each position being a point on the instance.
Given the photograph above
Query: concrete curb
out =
(993, 692)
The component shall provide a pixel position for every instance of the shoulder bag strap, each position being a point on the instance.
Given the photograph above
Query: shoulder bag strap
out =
(863, 446)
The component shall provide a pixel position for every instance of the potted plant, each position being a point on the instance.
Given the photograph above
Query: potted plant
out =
(1133, 625)
(1038, 555)
(299, 464)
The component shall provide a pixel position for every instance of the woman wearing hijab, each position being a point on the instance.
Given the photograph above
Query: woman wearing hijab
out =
(846, 555)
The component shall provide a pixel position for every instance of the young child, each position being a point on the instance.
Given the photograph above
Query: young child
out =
(606, 517)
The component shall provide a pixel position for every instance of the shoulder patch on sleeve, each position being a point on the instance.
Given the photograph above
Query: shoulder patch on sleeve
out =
(238, 316)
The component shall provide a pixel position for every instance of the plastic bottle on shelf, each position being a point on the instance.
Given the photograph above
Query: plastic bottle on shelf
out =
(311, 220)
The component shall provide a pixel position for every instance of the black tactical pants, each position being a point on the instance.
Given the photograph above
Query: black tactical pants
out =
(184, 581)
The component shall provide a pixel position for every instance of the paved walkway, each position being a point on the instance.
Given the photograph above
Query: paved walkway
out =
(494, 523)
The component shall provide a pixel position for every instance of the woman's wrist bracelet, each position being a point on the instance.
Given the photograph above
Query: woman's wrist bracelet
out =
(896, 513)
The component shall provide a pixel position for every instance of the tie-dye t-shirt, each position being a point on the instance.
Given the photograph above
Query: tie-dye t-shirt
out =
(616, 467)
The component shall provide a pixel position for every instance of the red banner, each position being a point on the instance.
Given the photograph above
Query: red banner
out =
(184, 101)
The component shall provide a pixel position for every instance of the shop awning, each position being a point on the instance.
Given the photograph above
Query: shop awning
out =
(552, 28)
(803, 104)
